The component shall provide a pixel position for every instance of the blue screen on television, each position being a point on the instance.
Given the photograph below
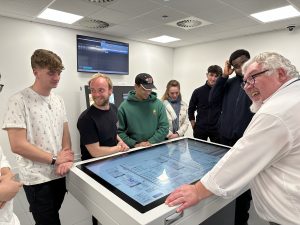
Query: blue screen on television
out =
(100, 55)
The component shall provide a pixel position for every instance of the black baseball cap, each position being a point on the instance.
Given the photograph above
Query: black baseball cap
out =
(145, 80)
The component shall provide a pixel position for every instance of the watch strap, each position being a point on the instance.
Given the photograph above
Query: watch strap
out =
(54, 157)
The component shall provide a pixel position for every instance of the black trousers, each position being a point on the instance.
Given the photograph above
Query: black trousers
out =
(226, 141)
(45, 201)
(242, 206)
(271, 223)
(204, 135)
(95, 221)
(242, 203)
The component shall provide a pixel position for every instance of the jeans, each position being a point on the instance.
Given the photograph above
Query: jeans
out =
(45, 200)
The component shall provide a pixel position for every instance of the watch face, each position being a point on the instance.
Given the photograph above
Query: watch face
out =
(53, 160)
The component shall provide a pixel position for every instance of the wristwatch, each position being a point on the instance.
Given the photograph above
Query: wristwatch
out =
(54, 157)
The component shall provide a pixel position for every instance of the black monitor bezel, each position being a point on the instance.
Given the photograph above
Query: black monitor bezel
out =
(101, 71)
(141, 208)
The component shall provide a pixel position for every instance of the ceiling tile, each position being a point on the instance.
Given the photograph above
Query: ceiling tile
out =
(141, 24)
(212, 10)
(134, 7)
(120, 30)
(142, 19)
(78, 7)
(253, 6)
(29, 8)
(110, 16)
(164, 14)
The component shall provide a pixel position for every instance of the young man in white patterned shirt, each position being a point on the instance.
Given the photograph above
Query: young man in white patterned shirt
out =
(38, 133)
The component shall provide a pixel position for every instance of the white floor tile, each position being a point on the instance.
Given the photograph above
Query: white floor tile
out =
(72, 212)
(87, 221)
(25, 218)
(21, 201)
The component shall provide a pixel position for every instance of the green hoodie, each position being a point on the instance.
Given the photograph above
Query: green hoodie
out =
(142, 120)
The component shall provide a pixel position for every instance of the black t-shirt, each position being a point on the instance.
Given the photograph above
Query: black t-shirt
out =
(96, 125)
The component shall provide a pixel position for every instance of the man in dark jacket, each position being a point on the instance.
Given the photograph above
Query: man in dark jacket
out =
(206, 124)
(235, 116)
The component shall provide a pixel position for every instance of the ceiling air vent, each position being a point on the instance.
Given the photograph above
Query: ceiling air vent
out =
(93, 23)
(189, 23)
(101, 2)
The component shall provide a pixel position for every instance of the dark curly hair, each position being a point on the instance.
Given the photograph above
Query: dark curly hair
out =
(215, 69)
(238, 53)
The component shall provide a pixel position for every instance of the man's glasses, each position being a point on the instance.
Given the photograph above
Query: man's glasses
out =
(251, 79)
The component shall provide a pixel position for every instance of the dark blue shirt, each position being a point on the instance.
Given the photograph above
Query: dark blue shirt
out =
(236, 114)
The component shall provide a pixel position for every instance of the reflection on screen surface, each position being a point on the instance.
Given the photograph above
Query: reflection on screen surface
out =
(149, 175)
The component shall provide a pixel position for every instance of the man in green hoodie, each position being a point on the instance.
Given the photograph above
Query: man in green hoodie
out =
(142, 117)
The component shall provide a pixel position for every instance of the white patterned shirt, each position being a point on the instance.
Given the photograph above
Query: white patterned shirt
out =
(7, 216)
(43, 118)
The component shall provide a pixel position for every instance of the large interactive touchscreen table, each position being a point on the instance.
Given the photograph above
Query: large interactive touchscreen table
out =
(145, 178)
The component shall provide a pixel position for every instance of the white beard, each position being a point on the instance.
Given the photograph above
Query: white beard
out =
(255, 106)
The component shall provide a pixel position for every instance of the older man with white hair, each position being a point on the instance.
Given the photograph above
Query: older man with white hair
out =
(267, 157)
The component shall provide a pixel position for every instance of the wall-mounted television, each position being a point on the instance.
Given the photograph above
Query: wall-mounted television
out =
(101, 55)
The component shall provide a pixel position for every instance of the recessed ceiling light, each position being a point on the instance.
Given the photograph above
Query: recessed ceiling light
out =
(276, 14)
(59, 16)
(164, 39)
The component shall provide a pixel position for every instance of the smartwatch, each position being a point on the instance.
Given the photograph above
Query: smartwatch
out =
(54, 157)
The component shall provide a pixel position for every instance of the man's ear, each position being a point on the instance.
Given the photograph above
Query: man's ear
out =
(35, 73)
(282, 75)
(110, 91)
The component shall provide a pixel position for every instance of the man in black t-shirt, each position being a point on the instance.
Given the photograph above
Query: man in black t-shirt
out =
(97, 125)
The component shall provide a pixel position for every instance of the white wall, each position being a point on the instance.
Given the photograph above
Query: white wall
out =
(188, 65)
(19, 39)
(191, 62)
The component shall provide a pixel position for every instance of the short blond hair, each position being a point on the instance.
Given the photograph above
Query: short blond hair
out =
(100, 75)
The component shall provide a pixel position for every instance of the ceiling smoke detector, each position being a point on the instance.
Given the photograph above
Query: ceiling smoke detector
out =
(189, 23)
(93, 23)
